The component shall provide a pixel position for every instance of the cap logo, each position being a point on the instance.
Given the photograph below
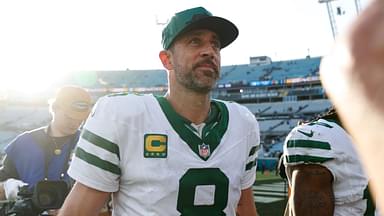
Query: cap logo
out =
(80, 106)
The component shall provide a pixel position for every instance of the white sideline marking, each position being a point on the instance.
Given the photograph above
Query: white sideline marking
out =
(268, 193)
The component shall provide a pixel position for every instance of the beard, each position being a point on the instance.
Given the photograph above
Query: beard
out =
(196, 79)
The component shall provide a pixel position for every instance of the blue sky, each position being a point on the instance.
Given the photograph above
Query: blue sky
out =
(44, 39)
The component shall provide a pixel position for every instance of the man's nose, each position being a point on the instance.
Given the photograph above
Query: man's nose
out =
(209, 51)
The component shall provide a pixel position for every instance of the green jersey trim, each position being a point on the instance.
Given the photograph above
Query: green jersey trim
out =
(212, 132)
(253, 151)
(101, 142)
(251, 164)
(96, 161)
(306, 159)
(308, 144)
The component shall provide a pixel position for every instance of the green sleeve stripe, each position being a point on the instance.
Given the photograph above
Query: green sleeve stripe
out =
(307, 159)
(250, 165)
(308, 144)
(98, 162)
(101, 142)
(253, 150)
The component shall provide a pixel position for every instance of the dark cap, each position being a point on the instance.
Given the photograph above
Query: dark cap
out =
(75, 101)
(199, 18)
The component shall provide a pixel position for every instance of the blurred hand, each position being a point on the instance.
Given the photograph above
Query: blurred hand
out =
(353, 76)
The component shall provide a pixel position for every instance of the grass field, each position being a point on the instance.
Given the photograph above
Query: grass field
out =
(262, 185)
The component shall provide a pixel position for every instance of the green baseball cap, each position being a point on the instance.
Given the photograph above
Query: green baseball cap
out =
(198, 18)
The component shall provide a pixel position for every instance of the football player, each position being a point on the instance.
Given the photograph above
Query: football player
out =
(181, 154)
(324, 172)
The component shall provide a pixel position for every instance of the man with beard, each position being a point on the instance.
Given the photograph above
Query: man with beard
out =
(181, 154)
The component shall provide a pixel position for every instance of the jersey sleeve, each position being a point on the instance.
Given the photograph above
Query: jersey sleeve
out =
(306, 144)
(96, 162)
(253, 145)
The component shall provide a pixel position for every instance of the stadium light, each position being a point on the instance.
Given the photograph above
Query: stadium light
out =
(358, 6)
(331, 16)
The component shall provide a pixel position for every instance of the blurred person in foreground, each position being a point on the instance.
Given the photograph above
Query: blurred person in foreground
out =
(180, 154)
(353, 76)
(44, 153)
(324, 171)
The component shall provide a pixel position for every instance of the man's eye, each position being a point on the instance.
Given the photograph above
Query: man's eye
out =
(216, 44)
(194, 41)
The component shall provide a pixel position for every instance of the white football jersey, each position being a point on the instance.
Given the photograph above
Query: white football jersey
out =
(327, 144)
(139, 148)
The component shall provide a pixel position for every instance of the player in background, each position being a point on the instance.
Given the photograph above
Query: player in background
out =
(43, 153)
(180, 154)
(353, 76)
(324, 172)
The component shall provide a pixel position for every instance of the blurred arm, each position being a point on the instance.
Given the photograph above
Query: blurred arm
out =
(311, 192)
(246, 205)
(83, 200)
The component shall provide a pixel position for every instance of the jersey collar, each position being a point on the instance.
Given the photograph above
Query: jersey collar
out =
(215, 128)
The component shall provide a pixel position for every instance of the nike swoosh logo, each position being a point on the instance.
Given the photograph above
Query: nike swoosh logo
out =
(310, 134)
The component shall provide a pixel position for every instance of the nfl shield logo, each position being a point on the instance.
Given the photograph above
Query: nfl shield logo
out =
(204, 150)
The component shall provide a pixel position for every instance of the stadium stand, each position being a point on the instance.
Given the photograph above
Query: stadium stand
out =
(15, 119)
(280, 94)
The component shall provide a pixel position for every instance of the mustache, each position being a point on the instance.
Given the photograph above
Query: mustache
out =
(206, 61)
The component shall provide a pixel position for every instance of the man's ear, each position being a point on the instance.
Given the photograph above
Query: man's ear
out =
(165, 58)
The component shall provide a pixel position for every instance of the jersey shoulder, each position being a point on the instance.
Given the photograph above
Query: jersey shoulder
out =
(312, 142)
(241, 113)
(120, 105)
